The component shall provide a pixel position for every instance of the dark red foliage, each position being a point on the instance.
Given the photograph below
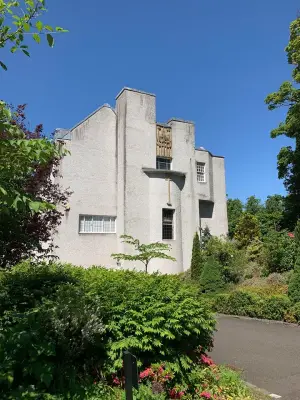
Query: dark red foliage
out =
(22, 234)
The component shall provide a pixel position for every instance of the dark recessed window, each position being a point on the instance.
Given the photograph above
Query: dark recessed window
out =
(167, 224)
(163, 163)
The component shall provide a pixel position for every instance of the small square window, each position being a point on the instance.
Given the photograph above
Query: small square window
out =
(163, 163)
(200, 172)
(97, 224)
(167, 224)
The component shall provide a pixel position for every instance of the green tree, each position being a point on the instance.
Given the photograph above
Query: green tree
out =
(279, 251)
(247, 230)
(297, 235)
(253, 205)
(234, 213)
(288, 159)
(144, 252)
(271, 216)
(20, 20)
(294, 284)
(211, 279)
(196, 262)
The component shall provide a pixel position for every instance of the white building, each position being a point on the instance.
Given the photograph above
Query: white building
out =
(132, 175)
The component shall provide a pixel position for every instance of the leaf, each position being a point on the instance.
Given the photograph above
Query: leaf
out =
(26, 27)
(13, 49)
(26, 53)
(3, 66)
(59, 29)
(39, 25)
(50, 40)
(35, 206)
(36, 37)
(48, 28)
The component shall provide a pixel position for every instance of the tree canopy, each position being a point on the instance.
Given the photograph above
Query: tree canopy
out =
(288, 159)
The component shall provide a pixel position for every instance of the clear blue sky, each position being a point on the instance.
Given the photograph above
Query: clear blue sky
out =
(210, 61)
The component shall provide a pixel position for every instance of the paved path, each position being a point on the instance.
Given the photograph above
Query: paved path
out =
(267, 352)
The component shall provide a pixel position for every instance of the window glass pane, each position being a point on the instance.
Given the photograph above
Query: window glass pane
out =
(167, 224)
(106, 225)
(81, 224)
(88, 224)
(97, 224)
(163, 163)
(113, 225)
(200, 172)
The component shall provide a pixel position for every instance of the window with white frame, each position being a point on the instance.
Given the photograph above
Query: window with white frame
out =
(97, 224)
(163, 163)
(200, 172)
(167, 224)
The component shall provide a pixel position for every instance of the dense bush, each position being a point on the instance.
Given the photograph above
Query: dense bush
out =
(294, 282)
(211, 279)
(232, 260)
(294, 287)
(279, 251)
(65, 326)
(252, 305)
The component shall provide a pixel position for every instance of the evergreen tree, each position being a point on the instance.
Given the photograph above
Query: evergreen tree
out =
(205, 237)
(234, 212)
(196, 262)
(211, 279)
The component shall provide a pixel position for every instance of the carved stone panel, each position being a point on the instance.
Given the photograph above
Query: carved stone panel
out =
(163, 141)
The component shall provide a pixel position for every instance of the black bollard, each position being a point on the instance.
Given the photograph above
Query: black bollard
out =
(131, 374)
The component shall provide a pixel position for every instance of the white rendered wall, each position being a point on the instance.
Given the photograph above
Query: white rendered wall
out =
(90, 172)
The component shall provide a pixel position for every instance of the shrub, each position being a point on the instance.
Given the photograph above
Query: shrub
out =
(294, 283)
(157, 316)
(26, 285)
(274, 307)
(295, 311)
(251, 305)
(276, 279)
(196, 262)
(238, 303)
(66, 326)
(211, 279)
(231, 259)
(279, 251)
(47, 346)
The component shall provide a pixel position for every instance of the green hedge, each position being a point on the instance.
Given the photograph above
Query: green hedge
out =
(63, 326)
(252, 305)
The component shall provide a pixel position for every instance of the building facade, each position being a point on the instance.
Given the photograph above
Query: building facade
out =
(131, 175)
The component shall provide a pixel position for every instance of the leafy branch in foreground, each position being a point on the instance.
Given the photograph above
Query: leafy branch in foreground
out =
(19, 159)
(19, 19)
(144, 252)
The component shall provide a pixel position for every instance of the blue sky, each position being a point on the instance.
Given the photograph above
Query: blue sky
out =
(210, 61)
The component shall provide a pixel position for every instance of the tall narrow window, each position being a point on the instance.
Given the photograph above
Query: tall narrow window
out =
(163, 163)
(97, 224)
(167, 223)
(200, 172)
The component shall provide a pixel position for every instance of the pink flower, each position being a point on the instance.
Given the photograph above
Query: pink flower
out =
(116, 381)
(205, 395)
(145, 374)
(206, 360)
